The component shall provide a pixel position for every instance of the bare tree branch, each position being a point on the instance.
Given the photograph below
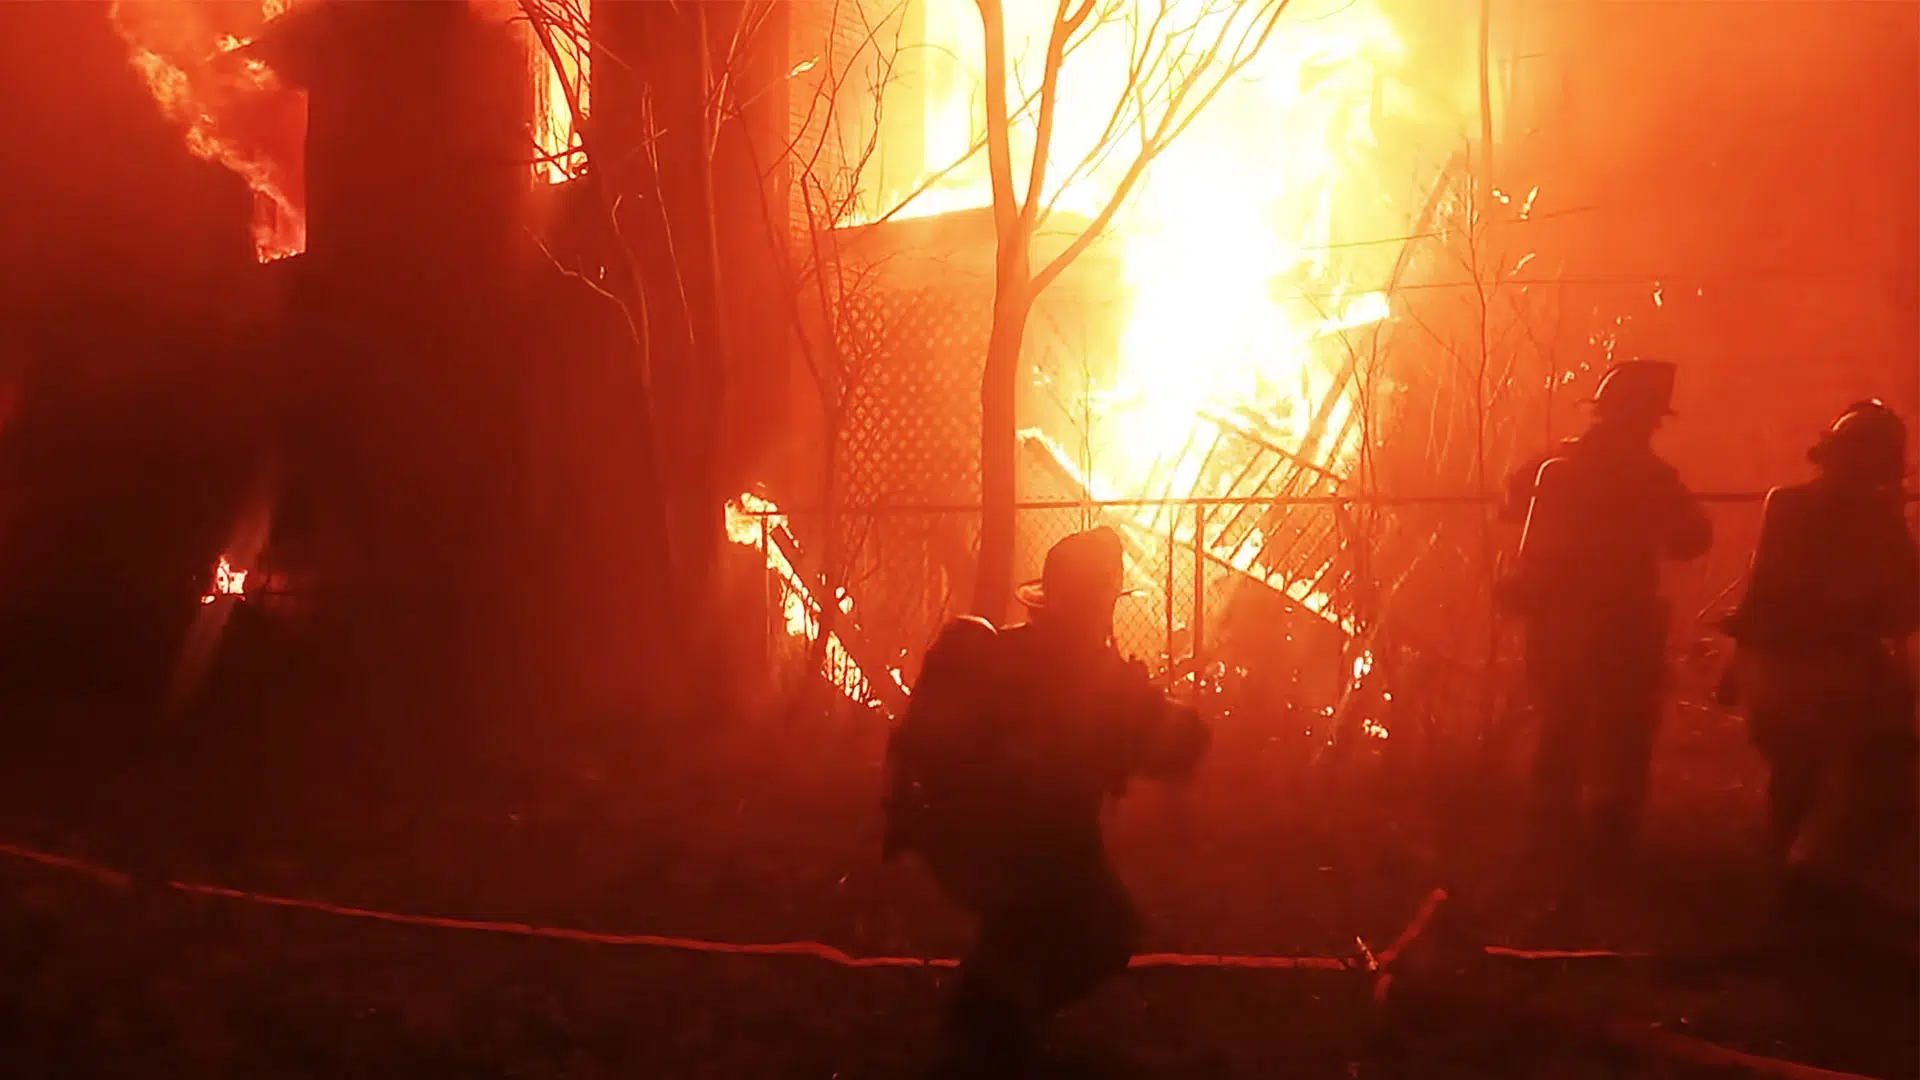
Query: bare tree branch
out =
(999, 148)
(1172, 124)
(1064, 24)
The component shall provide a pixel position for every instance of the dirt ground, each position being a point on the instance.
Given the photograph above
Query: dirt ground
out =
(768, 831)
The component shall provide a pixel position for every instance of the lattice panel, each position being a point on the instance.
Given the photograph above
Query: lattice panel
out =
(912, 427)
(907, 464)
(915, 342)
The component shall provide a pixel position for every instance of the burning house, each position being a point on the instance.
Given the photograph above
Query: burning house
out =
(448, 403)
(1287, 366)
(1195, 378)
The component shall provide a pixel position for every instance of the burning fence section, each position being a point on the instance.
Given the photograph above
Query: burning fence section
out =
(1192, 563)
(1189, 618)
(757, 523)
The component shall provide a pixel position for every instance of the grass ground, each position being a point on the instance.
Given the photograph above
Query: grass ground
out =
(768, 830)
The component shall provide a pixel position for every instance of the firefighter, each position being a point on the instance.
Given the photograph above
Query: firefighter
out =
(1602, 513)
(1821, 666)
(1000, 770)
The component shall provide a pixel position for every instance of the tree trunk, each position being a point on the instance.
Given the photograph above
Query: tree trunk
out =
(1012, 298)
(999, 392)
(659, 100)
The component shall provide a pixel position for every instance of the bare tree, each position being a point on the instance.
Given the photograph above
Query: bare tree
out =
(834, 302)
(562, 30)
(664, 167)
(831, 301)
(825, 170)
(1179, 56)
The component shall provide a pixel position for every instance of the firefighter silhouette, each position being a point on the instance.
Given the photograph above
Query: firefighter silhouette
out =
(1601, 513)
(1832, 596)
(999, 771)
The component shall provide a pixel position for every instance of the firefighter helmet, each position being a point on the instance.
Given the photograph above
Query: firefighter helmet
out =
(1636, 390)
(1868, 440)
(1086, 569)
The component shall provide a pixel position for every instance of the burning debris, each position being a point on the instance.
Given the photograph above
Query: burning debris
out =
(1222, 538)
(227, 581)
(755, 522)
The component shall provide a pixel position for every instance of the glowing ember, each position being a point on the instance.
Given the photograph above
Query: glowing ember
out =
(226, 582)
(751, 522)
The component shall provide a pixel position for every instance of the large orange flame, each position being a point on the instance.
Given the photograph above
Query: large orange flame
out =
(233, 110)
(1224, 245)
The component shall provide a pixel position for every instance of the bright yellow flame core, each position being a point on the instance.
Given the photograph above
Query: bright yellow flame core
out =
(1223, 245)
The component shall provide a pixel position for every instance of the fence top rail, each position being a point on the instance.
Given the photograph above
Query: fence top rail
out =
(1721, 497)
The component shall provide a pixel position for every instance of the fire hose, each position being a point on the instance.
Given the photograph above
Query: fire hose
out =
(1365, 960)
(1609, 1030)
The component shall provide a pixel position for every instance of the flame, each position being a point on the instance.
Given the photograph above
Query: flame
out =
(560, 155)
(1241, 284)
(233, 110)
(1234, 303)
(751, 522)
(226, 582)
(1225, 226)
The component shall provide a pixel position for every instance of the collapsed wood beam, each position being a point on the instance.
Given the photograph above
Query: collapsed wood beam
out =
(1145, 538)
(881, 685)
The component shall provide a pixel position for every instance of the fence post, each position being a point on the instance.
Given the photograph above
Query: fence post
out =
(768, 590)
(1199, 596)
(1173, 550)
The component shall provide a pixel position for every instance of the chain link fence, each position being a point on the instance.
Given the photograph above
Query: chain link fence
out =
(1293, 604)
